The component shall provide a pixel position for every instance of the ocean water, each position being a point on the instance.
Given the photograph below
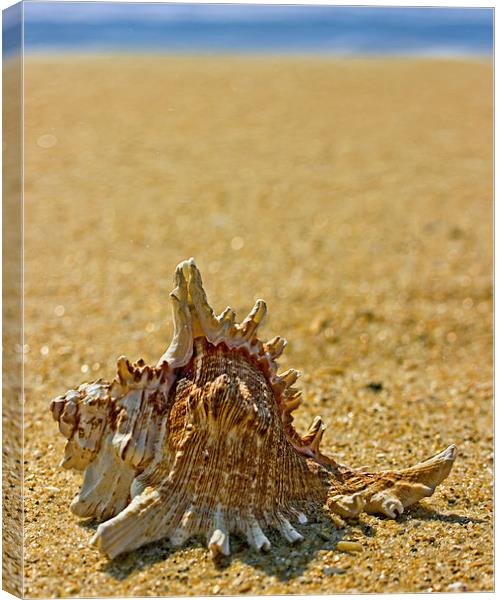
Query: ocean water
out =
(75, 26)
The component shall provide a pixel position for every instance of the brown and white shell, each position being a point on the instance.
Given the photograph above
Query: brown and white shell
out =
(203, 443)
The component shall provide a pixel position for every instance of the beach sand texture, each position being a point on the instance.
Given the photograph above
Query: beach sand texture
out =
(355, 197)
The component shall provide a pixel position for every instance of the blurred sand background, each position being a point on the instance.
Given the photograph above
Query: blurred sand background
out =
(355, 197)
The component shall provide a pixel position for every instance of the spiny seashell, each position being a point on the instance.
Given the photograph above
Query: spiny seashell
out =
(203, 443)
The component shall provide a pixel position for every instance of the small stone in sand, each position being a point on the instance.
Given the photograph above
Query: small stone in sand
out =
(349, 547)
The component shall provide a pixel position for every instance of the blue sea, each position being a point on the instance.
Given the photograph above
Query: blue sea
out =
(102, 26)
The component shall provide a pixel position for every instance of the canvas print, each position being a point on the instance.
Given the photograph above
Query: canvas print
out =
(247, 299)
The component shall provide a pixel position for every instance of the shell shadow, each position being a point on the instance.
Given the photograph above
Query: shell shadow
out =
(283, 561)
(122, 567)
(424, 513)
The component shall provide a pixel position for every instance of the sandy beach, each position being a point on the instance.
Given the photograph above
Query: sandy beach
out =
(355, 197)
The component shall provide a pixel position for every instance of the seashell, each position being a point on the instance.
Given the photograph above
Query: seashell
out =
(203, 444)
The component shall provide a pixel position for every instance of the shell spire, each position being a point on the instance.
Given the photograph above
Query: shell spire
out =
(203, 443)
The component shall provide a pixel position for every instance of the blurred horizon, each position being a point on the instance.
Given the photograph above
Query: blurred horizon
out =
(337, 30)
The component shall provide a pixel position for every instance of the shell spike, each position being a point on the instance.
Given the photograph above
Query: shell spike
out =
(255, 536)
(314, 435)
(300, 516)
(124, 370)
(251, 323)
(185, 530)
(180, 281)
(432, 471)
(317, 439)
(293, 402)
(290, 534)
(315, 426)
(289, 377)
(218, 543)
(227, 318)
(218, 538)
(205, 323)
(185, 267)
(275, 347)
(180, 350)
(390, 492)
